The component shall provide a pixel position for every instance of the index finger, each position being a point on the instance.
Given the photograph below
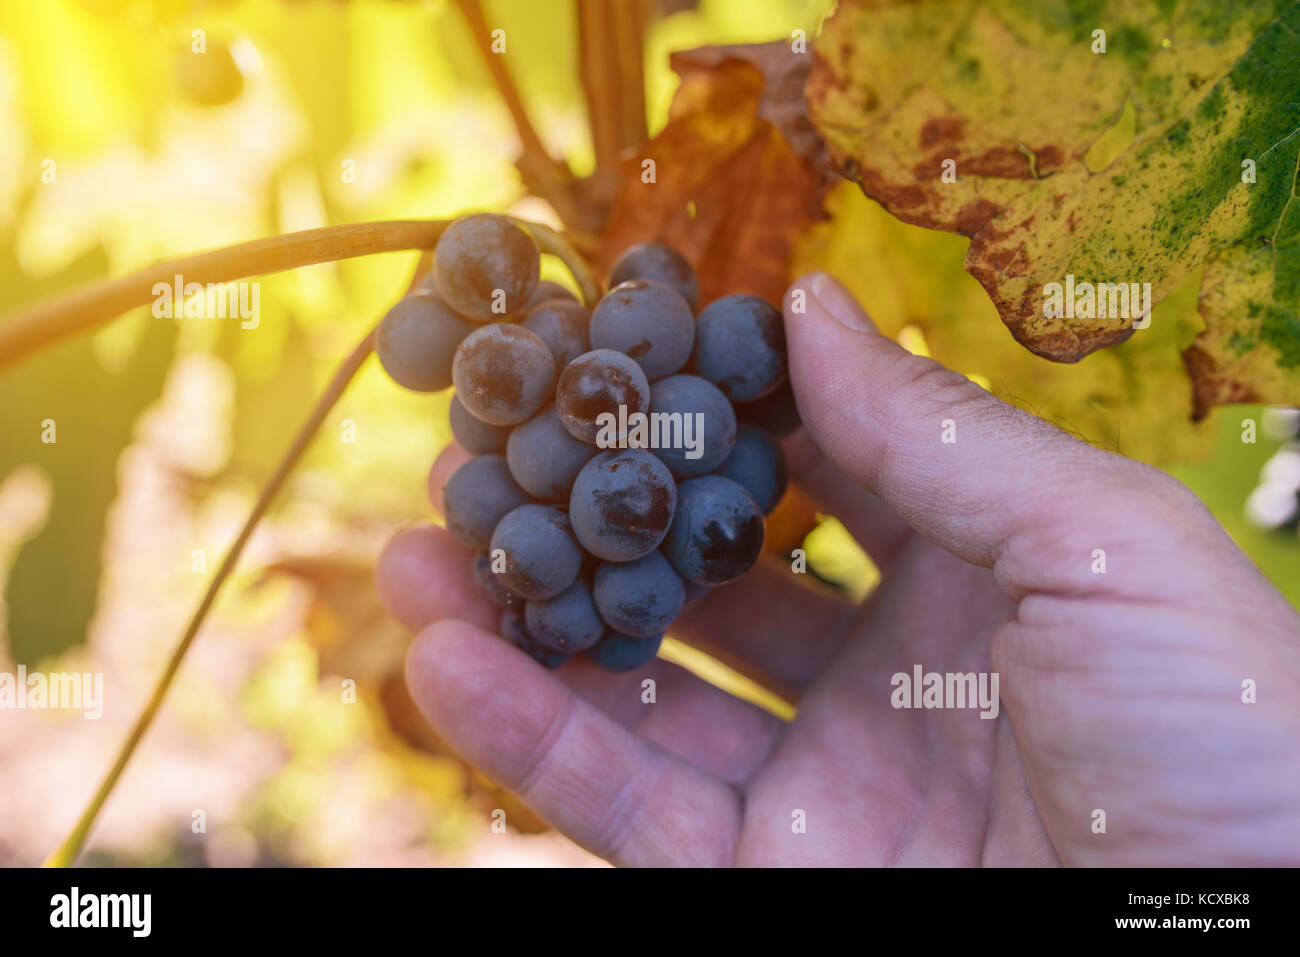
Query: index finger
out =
(989, 482)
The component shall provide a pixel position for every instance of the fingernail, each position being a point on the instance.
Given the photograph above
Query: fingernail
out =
(840, 304)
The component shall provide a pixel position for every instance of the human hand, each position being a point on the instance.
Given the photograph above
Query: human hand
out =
(1121, 691)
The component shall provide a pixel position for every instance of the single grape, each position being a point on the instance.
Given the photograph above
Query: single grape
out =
(474, 435)
(416, 342)
(597, 383)
(1274, 505)
(639, 598)
(514, 629)
(490, 583)
(701, 428)
(546, 290)
(617, 652)
(478, 495)
(542, 558)
(740, 347)
(562, 325)
(758, 465)
(503, 373)
(1283, 466)
(622, 504)
(717, 533)
(210, 78)
(568, 622)
(485, 267)
(661, 263)
(776, 412)
(648, 321)
(544, 458)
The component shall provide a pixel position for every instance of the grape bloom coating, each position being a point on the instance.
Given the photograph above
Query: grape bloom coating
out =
(503, 373)
(485, 266)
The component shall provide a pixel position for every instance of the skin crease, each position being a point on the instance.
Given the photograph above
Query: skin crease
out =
(1119, 691)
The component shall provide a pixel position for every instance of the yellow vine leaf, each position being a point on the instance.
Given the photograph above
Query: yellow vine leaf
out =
(977, 118)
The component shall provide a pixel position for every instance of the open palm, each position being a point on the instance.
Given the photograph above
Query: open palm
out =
(1121, 689)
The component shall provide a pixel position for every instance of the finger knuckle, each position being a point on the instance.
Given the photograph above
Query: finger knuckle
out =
(538, 761)
(920, 386)
(624, 810)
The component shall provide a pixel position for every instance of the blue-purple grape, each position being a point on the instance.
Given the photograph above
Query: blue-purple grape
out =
(562, 325)
(486, 267)
(717, 532)
(757, 464)
(478, 495)
(514, 629)
(503, 373)
(546, 290)
(544, 458)
(595, 384)
(569, 622)
(416, 342)
(473, 434)
(617, 652)
(490, 583)
(698, 411)
(639, 598)
(647, 321)
(542, 558)
(622, 504)
(740, 347)
(661, 263)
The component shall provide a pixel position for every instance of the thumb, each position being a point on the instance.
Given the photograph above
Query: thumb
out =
(993, 484)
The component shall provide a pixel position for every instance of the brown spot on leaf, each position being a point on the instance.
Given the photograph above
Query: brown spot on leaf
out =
(1002, 162)
(1050, 158)
(973, 216)
(1211, 386)
(896, 198)
(1067, 345)
(941, 129)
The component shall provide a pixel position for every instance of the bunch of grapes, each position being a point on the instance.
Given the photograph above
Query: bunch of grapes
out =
(590, 534)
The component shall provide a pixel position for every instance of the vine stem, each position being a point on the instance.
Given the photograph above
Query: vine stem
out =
(91, 306)
(71, 846)
(549, 179)
(611, 40)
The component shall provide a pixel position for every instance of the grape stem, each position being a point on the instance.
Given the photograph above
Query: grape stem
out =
(552, 243)
(92, 306)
